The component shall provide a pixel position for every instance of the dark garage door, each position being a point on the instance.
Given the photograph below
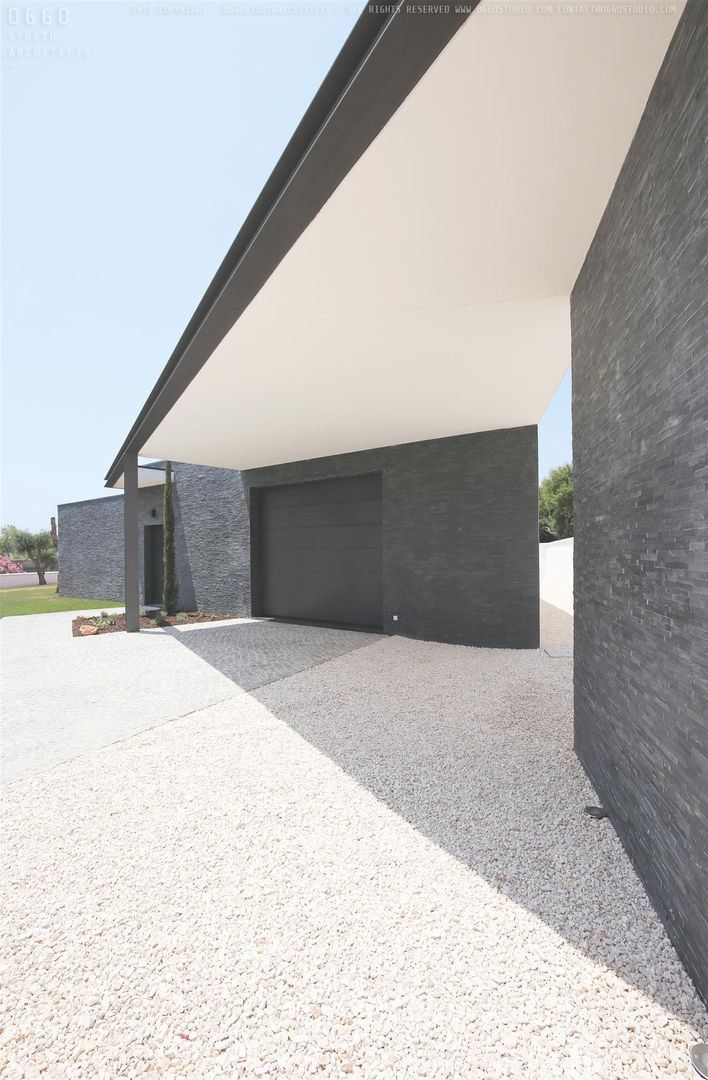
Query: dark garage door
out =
(320, 551)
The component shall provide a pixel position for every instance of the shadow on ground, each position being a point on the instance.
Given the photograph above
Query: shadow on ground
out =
(472, 747)
(253, 654)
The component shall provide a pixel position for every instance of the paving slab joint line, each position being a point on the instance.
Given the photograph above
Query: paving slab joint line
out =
(239, 692)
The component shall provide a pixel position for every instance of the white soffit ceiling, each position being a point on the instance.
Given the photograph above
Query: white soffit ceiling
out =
(146, 478)
(429, 297)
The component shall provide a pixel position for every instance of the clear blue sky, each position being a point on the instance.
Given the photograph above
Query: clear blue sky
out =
(554, 431)
(133, 149)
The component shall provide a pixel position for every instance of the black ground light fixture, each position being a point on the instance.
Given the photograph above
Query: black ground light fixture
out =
(699, 1059)
(596, 812)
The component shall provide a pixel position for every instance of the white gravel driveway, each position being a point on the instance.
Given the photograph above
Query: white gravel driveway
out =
(64, 696)
(377, 867)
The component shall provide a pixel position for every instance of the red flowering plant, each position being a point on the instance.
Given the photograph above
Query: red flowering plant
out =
(7, 566)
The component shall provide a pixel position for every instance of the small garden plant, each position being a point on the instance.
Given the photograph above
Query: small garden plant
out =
(104, 619)
(107, 623)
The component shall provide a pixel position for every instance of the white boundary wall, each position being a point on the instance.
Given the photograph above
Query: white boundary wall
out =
(556, 573)
(17, 581)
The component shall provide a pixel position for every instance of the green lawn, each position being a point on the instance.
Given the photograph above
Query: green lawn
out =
(38, 599)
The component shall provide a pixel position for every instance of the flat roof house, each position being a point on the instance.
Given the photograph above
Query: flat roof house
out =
(476, 194)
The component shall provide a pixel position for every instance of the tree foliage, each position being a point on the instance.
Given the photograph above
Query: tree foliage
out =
(8, 546)
(555, 504)
(170, 587)
(37, 547)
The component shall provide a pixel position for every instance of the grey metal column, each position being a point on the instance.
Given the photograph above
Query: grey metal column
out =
(130, 526)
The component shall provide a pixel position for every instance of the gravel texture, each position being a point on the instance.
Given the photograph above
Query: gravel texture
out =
(256, 652)
(63, 696)
(556, 627)
(378, 868)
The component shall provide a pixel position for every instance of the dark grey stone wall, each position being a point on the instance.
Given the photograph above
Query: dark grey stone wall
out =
(91, 548)
(212, 538)
(211, 541)
(460, 536)
(640, 409)
(91, 544)
(460, 533)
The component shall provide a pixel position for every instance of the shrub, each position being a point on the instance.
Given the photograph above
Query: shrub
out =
(170, 588)
(182, 617)
(7, 566)
(160, 618)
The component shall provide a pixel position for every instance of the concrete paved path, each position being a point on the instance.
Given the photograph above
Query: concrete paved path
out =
(63, 696)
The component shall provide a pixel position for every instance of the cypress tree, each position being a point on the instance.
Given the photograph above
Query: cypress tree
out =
(170, 585)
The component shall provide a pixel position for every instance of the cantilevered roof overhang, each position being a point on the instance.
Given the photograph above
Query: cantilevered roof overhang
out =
(405, 273)
(148, 476)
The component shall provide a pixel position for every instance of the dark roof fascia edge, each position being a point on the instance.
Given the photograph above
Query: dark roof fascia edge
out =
(384, 57)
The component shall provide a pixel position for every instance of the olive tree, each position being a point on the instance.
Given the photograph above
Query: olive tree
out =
(38, 548)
